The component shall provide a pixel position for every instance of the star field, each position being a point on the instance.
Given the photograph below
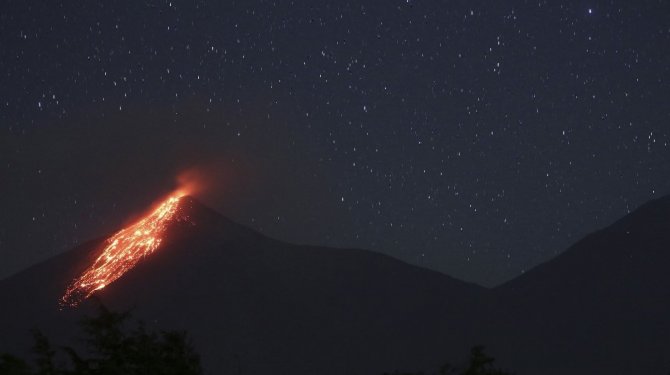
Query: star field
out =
(475, 138)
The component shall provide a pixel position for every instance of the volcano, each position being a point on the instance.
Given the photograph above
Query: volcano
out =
(255, 305)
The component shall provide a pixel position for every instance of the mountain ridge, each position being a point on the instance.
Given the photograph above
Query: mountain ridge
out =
(208, 267)
(273, 306)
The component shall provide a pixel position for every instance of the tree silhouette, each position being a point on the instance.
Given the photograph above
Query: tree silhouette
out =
(44, 354)
(112, 350)
(11, 365)
(479, 364)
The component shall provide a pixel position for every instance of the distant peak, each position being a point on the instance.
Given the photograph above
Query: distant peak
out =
(654, 211)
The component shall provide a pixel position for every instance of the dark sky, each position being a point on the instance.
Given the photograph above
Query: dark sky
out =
(477, 138)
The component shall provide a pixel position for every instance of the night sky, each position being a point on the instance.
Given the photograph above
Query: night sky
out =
(477, 138)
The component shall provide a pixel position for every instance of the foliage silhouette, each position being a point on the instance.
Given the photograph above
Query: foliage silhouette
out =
(11, 365)
(479, 364)
(112, 350)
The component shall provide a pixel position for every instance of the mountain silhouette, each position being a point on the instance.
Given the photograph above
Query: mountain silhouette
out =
(255, 305)
(602, 306)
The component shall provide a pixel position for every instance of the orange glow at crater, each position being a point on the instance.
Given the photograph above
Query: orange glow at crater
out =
(124, 250)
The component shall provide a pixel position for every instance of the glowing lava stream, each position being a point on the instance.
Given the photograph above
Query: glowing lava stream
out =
(122, 252)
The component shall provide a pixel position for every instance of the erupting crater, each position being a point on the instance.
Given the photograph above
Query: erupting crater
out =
(123, 251)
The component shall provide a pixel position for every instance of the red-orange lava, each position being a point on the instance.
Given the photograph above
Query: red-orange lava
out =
(122, 251)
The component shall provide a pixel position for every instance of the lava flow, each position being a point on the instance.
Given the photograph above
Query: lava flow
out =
(122, 252)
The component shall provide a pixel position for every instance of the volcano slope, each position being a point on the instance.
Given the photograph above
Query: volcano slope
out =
(255, 305)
